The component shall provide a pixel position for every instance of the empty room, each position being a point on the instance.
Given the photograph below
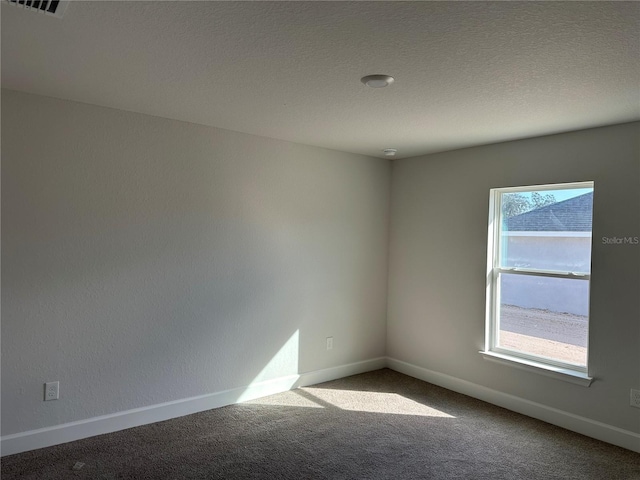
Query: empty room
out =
(320, 240)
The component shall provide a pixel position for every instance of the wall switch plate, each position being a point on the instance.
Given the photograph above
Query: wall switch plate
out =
(51, 391)
(329, 343)
(635, 398)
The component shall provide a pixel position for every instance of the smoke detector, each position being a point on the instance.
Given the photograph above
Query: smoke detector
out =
(54, 8)
(377, 81)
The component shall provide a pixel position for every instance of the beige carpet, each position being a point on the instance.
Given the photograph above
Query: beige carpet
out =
(379, 425)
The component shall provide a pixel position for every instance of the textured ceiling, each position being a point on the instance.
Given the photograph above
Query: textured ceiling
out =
(467, 73)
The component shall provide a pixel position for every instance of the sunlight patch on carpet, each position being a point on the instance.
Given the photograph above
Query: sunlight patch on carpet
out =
(373, 402)
(286, 399)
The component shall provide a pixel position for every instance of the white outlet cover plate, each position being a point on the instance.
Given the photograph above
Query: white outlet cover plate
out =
(51, 391)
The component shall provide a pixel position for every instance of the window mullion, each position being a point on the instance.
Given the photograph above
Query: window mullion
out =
(543, 273)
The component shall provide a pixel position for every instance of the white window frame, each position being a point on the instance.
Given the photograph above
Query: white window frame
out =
(574, 373)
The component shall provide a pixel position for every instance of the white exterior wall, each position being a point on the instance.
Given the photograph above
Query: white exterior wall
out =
(563, 251)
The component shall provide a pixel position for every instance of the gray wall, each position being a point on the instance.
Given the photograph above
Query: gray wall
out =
(146, 260)
(439, 214)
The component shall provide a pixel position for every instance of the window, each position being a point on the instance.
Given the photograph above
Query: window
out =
(538, 275)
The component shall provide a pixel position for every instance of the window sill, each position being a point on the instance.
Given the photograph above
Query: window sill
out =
(566, 375)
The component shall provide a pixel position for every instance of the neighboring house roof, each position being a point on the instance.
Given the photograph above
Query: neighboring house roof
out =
(572, 215)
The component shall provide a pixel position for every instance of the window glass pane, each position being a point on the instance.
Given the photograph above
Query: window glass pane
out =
(547, 230)
(544, 316)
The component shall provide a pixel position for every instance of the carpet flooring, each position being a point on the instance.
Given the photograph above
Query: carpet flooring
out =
(378, 425)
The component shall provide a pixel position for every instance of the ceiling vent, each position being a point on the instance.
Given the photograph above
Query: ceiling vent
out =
(55, 8)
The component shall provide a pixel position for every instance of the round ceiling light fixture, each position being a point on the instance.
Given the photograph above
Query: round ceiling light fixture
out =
(389, 152)
(377, 81)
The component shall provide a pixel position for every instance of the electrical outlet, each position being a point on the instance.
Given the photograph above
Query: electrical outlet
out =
(635, 398)
(329, 343)
(51, 391)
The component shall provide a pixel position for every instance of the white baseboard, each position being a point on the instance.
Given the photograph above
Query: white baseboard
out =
(319, 376)
(590, 428)
(68, 432)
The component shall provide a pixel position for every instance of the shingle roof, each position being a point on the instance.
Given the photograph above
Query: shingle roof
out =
(572, 215)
